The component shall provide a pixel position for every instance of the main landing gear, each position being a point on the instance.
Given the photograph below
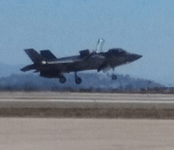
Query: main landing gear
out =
(62, 79)
(78, 80)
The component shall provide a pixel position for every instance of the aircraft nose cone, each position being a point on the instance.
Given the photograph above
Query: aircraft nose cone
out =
(134, 57)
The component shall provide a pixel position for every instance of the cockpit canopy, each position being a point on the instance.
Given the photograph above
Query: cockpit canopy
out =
(117, 51)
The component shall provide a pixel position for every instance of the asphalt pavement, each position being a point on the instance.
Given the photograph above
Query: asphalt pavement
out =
(84, 100)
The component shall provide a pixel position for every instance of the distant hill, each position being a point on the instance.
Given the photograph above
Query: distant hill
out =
(7, 70)
(92, 81)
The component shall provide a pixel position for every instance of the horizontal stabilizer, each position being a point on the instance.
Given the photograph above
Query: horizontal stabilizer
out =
(34, 56)
(29, 67)
(48, 55)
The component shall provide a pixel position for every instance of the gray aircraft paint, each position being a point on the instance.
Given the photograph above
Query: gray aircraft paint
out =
(51, 67)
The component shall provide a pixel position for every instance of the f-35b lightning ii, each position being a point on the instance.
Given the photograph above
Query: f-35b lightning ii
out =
(50, 66)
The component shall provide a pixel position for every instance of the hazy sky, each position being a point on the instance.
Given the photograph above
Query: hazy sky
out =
(145, 27)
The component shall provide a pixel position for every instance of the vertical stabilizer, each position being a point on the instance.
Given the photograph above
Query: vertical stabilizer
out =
(48, 55)
(34, 56)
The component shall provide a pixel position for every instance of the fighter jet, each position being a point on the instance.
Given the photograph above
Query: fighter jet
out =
(50, 66)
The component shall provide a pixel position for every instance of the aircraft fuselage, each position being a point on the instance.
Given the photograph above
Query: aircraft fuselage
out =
(51, 67)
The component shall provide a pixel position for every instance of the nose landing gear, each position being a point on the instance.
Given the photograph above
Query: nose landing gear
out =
(114, 77)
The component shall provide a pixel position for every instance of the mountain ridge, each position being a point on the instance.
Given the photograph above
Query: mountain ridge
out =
(94, 81)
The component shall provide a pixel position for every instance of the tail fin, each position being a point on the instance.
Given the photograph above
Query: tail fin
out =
(34, 56)
(48, 55)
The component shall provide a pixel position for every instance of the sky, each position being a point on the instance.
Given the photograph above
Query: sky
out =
(145, 27)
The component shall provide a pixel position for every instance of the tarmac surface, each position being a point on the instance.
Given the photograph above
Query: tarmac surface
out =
(85, 100)
(62, 121)
(85, 134)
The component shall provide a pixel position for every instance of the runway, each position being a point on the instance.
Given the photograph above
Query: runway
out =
(62, 121)
(85, 134)
(85, 100)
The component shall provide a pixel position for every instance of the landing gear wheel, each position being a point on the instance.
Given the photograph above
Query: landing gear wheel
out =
(114, 77)
(78, 80)
(62, 79)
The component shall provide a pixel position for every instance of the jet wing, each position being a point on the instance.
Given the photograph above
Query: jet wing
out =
(67, 60)
(75, 59)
